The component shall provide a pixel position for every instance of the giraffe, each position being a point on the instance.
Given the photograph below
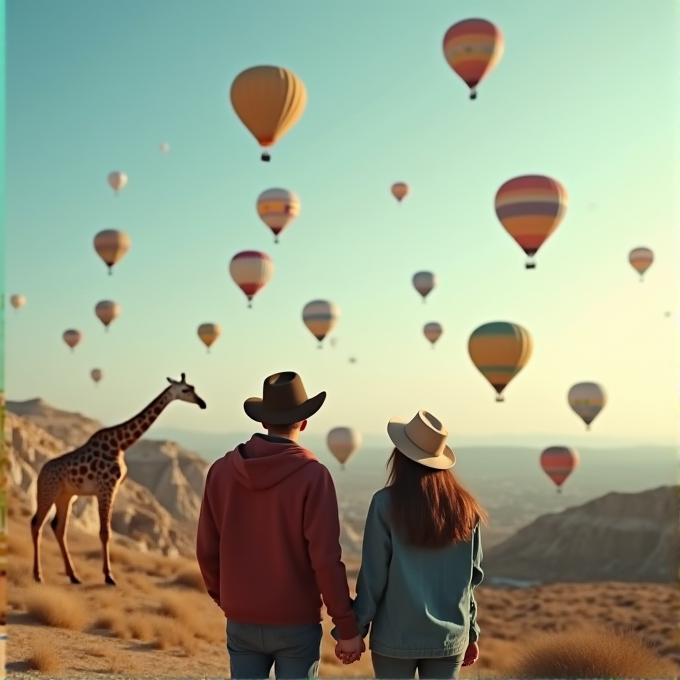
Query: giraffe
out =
(95, 469)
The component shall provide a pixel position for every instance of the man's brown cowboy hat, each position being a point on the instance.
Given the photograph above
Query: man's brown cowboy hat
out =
(284, 401)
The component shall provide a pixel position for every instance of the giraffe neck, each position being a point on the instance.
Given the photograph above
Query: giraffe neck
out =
(127, 433)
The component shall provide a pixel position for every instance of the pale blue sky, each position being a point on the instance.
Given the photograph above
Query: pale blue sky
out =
(586, 92)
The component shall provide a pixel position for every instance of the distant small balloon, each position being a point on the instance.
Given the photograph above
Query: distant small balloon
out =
(96, 374)
(641, 260)
(107, 312)
(424, 283)
(320, 317)
(111, 245)
(164, 147)
(208, 333)
(432, 331)
(117, 181)
(400, 191)
(558, 462)
(17, 301)
(72, 337)
(251, 271)
(343, 443)
(587, 399)
(278, 208)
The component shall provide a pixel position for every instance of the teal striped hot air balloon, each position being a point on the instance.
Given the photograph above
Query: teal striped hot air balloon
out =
(500, 350)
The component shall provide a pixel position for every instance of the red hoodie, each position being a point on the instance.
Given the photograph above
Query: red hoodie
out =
(268, 542)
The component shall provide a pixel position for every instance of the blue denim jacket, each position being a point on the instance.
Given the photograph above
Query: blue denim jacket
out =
(419, 603)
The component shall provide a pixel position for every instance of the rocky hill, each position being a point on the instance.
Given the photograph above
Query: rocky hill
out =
(630, 537)
(157, 506)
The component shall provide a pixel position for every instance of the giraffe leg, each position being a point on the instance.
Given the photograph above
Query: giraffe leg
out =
(45, 503)
(59, 526)
(105, 503)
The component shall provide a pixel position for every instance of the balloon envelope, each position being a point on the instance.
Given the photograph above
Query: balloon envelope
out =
(343, 443)
(400, 190)
(17, 301)
(268, 100)
(277, 208)
(641, 259)
(107, 311)
(96, 374)
(432, 331)
(251, 271)
(208, 333)
(500, 350)
(587, 399)
(558, 462)
(164, 147)
(117, 180)
(111, 245)
(472, 48)
(424, 282)
(320, 317)
(530, 208)
(72, 337)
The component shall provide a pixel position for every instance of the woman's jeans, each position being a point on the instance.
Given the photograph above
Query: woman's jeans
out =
(294, 651)
(439, 668)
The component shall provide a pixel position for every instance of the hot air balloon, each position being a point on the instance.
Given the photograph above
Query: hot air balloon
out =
(164, 147)
(343, 443)
(400, 191)
(269, 101)
(111, 245)
(641, 260)
(320, 317)
(500, 350)
(432, 331)
(587, 399)
(72, 337)
(558, 462)
(107, 312)
(424, 282)
(277, 208)
(208, 333)
(472, 48)
(117, 181)
(96, 375)
(17, 301)
(530, 208)
(251, 271)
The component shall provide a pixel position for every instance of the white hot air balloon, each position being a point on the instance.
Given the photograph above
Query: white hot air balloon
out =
(424, 282)
(320, 317)
(164, 147)
(117, 181)
(587, 399)
(343, 443)
(432, 331)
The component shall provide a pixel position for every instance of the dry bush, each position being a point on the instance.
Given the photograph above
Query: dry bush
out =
(590, 652)
(169, 633)
(140, 582)
(141, 627)
(54, 607)
(44, 658)
(104, 599)
(180, 607)
(190, 577)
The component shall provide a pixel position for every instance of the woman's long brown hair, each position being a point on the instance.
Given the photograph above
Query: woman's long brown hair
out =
(430, 508)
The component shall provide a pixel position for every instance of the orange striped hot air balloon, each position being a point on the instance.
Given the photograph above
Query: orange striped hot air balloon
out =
(530, 208)
(472, 48)
(641, 260)
(400, 191)
(500, 350)
(269, 101)
(277, 208)
(558, 462)
(251, 271)
(111, 245)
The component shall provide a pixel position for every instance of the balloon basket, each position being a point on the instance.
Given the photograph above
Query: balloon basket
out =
(266, 157)
(530, 265)
(473, 94)
(500, 399)
(559, 490)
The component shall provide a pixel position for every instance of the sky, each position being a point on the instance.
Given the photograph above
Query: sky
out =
(585, 93)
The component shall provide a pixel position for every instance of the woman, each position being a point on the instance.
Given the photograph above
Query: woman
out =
(421, 560)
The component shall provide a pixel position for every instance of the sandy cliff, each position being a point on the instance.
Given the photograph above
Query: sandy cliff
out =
(618, 537)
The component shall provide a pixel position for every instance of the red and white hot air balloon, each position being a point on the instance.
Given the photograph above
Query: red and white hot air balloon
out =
(251, 271)
(278, 208)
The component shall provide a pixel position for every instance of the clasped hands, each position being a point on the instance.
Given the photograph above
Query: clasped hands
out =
(349, 651)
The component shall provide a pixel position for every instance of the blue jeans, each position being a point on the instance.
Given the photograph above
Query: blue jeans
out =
(439, 668)
(294, 651)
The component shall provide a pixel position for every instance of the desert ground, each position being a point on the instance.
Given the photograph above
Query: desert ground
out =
(159, 622)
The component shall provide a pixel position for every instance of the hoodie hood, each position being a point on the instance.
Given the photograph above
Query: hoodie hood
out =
(260, 464)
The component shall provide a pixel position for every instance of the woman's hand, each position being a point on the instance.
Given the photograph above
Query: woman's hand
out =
(471, 654)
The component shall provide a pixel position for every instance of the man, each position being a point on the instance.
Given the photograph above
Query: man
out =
(268, 543)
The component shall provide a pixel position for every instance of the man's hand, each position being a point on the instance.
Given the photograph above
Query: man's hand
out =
(349, 651)
(471, 654)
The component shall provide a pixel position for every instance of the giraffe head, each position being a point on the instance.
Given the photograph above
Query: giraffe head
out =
(181, 390)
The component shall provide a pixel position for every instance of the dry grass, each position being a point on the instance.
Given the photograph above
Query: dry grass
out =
(44, 659)
(190, 577)
(590, 652)
(53, 607)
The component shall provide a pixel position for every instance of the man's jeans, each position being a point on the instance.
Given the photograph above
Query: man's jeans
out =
(294, 651)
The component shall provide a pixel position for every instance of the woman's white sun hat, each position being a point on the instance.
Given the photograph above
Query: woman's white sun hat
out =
(423, 440)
